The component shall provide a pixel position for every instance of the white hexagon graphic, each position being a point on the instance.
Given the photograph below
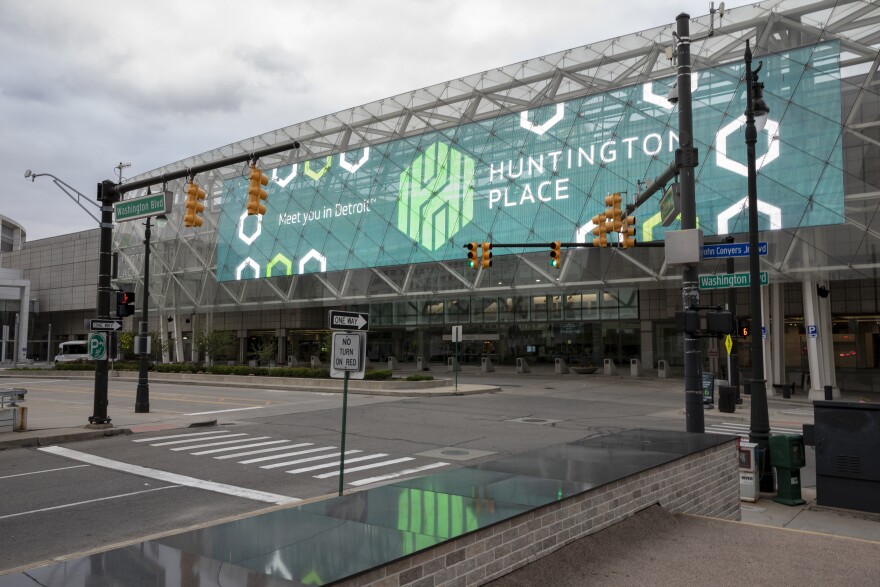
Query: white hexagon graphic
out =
(313, 254)
(283, 182)
(249, 239)
(774, 212)
(244, 265)
(540, 129)
(650, 97)
(581, 235)
(352, 167)
(723, 161)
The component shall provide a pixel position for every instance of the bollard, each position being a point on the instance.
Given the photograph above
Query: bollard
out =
(829, 394)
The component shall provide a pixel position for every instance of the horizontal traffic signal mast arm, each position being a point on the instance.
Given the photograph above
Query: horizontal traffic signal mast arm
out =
(660, 181)
(567, 245)
(191, 171)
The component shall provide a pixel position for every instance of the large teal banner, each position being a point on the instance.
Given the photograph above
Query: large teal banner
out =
(540, 175)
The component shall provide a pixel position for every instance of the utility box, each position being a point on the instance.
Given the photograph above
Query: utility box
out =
(749, 488)
(609, 368)
(787, 456)
(486, 365)
(726, 399)
(847, 437)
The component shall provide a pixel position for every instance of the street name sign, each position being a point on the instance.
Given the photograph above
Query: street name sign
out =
(152, 205)
(347, 354)
(340, 320)
(725, 280)
(670, 204)
(727, 250)
(105, 324)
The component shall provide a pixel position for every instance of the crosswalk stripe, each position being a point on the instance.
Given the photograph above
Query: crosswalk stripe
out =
(264, 450)
(210, 444)
(397, 474)
(337, 463)
(285, 455)
(365, 467)
(152, 438)
(331, 455)
(194, 440)
(228, 448)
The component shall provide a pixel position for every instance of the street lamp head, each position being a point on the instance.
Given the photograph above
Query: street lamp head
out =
(28, 173)
(761, 110)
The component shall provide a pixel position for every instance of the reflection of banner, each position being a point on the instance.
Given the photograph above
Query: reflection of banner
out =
(539, 175)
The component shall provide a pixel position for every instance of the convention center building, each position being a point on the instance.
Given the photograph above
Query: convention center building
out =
(374, 211)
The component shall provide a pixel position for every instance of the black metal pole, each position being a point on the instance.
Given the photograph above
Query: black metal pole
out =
(107, 196)
(693, 393)
(759, 422)
(733, 359)
(142, 399)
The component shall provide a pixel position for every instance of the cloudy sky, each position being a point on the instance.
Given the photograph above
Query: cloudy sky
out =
(87, 85)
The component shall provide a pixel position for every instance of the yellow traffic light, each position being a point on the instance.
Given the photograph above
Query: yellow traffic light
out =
(628, 232)
(256, 192)
(614, 214)
(486, 256)
(556, 254)
(599, 231)
(473, 255)
(194, 206)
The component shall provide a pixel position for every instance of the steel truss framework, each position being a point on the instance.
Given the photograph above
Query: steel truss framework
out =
(184, 279)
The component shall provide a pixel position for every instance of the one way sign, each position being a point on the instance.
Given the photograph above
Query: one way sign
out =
(349, 320)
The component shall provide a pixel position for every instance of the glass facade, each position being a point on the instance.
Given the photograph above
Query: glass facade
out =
(373, 211)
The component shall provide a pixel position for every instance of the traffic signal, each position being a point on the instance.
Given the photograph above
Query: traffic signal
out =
(486, 256)
(628, 232)
(194, 206)
(256, 192)
(614, 213)
(743, 327)
(124, 303)
(556, 254)
(600, 231)
(473, 255)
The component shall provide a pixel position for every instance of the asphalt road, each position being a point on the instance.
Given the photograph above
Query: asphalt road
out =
(66, 501)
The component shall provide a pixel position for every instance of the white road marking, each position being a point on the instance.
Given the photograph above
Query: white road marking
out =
(310, 459)
(152, 438)
(337, 463)
(285, 455)
(210, 444)
(70, 505)
(223, 411)
(239, 447)
(196, 439)
(264, 450)
(43, 471)
(398, 474)
(365, 467)
(170, 477)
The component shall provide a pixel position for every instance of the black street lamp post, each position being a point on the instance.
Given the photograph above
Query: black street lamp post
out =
(142, 398)
(759, 423)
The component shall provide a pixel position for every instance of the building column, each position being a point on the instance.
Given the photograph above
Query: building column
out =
(177, 329)
(281, 346)
(777, 319)
(163, 337)
(242, 346)
(811, 317)
(826, 345)
(24, 312)
(647, 339)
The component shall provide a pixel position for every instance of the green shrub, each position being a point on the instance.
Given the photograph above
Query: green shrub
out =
(420, 377)
(378, 375)
(75, 366)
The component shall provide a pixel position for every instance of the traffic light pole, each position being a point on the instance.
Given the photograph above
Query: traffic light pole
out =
(693, 394)
(107, 195)
(142, 398)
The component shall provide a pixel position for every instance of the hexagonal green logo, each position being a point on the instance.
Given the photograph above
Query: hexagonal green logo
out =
(436, 196)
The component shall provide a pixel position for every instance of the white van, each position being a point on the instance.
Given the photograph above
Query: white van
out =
(72, 350)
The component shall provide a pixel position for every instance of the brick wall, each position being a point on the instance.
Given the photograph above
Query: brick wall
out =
(705, 483)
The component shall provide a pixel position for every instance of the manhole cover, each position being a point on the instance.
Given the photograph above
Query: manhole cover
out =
(454, 453)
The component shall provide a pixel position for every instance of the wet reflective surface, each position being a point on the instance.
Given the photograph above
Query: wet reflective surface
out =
(322, 542)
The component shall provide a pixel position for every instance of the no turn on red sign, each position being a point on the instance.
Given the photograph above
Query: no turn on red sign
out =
(347, 355)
